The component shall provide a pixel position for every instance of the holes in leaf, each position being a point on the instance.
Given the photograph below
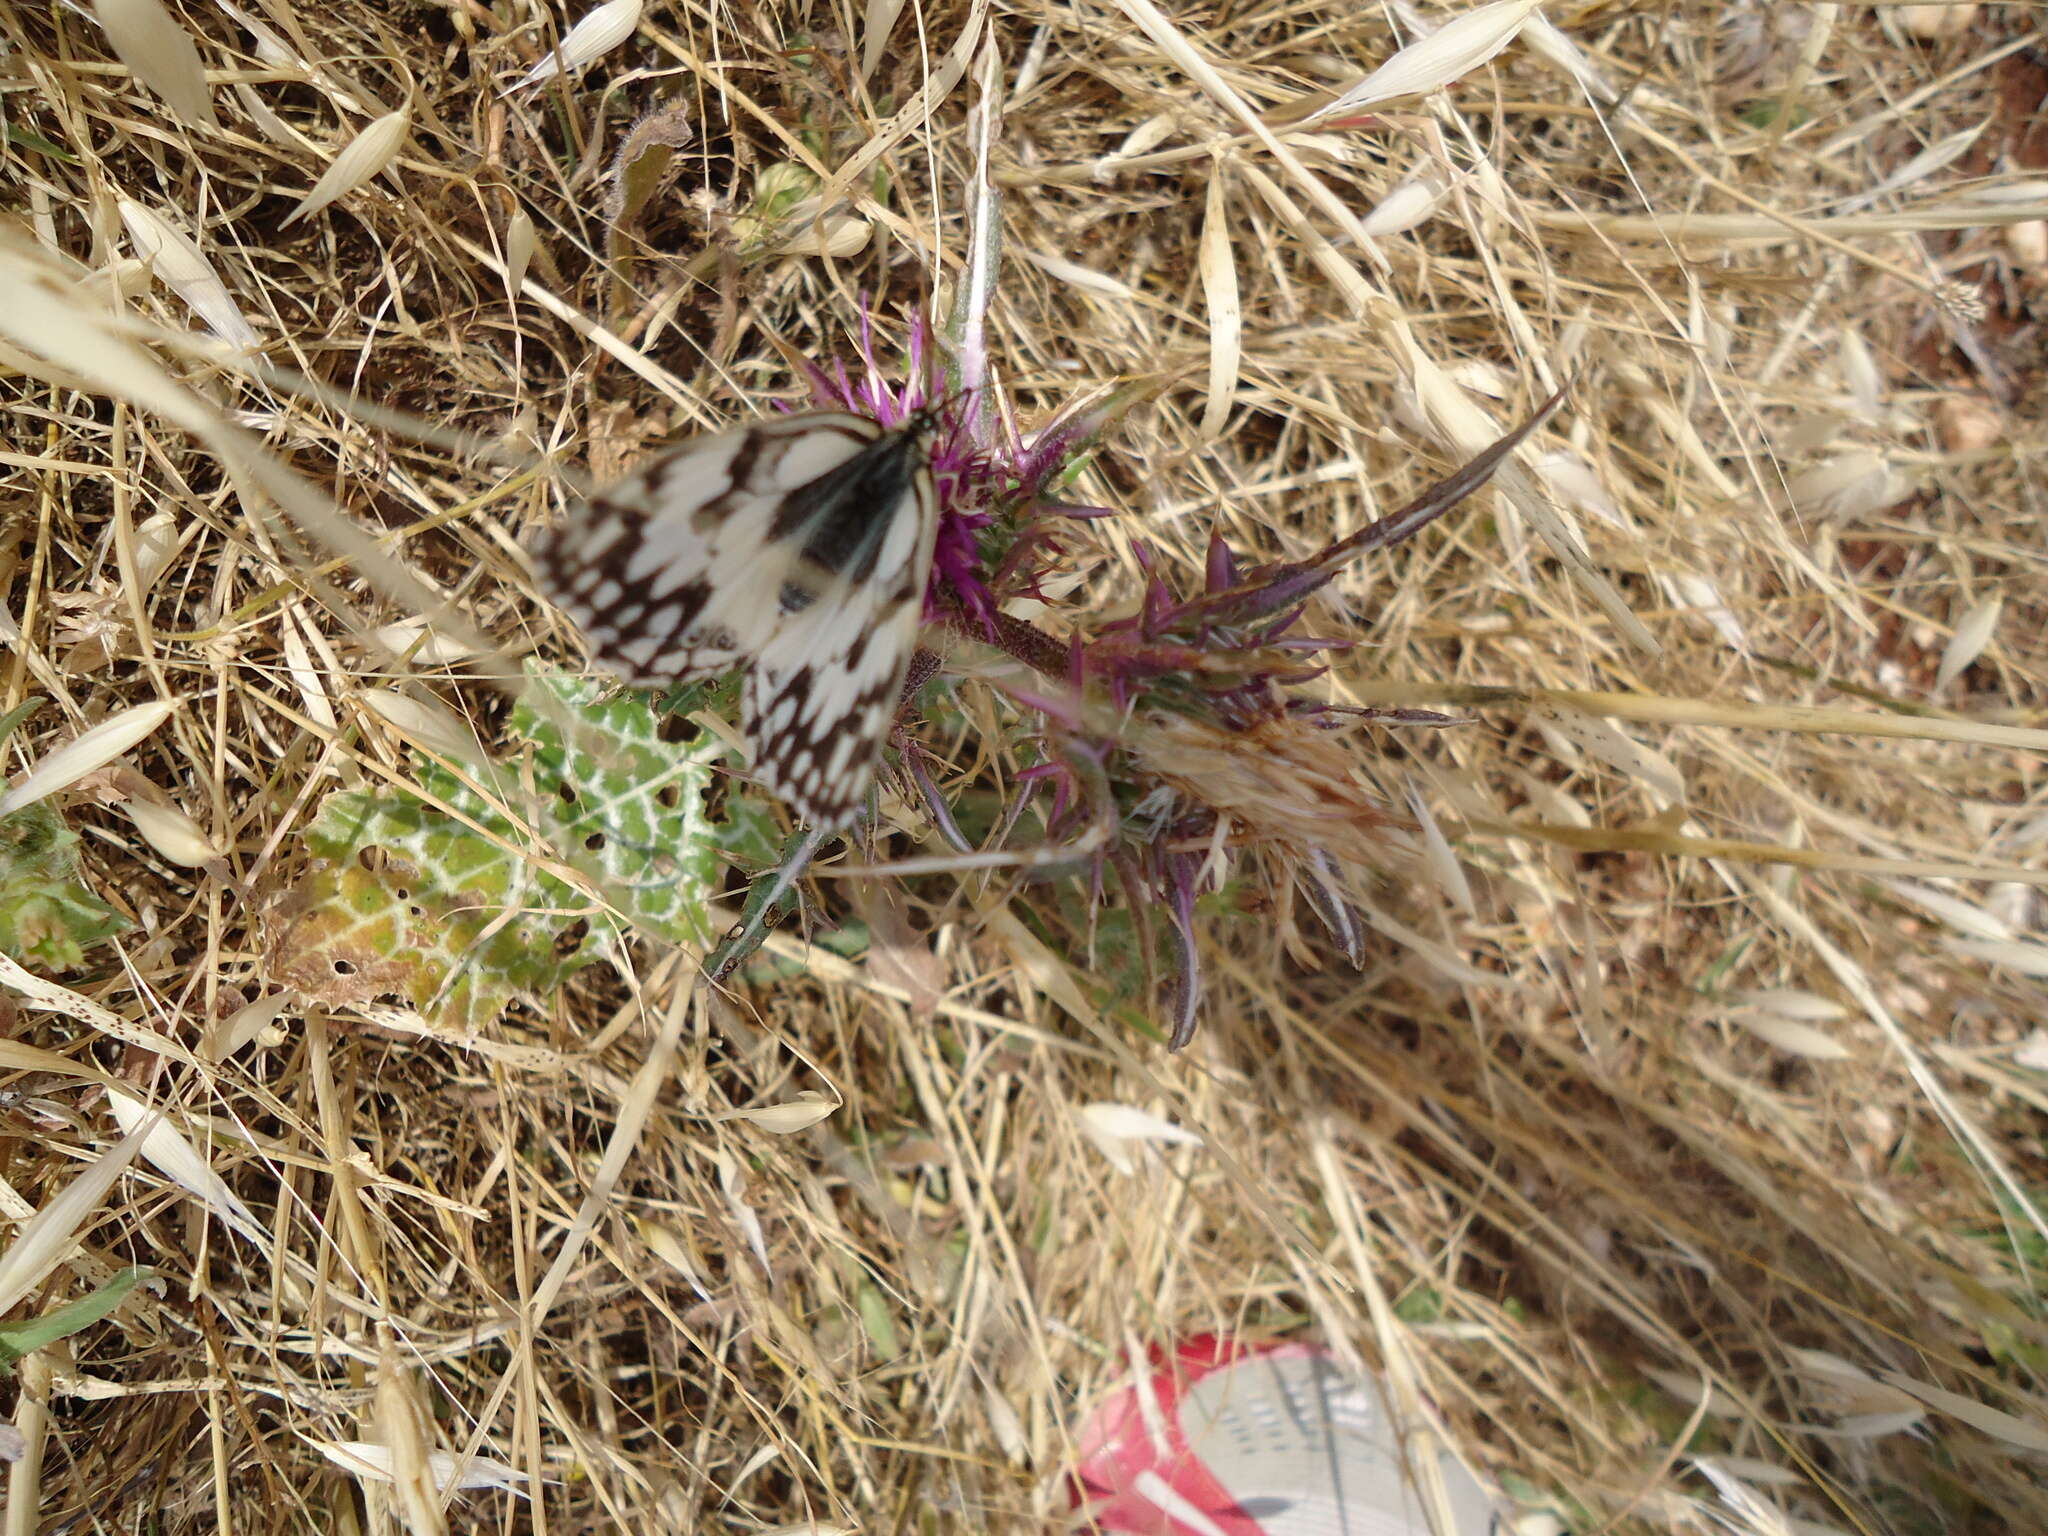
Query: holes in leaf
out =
(594, 843)
(343, 967)
(676, 729)
(571, 938)
(669, 796)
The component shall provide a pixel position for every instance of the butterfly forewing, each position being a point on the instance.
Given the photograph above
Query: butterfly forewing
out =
(801, 544)
(662, 570)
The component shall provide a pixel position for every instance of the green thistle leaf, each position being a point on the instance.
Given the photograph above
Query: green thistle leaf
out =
(442, 896)
(627, 807)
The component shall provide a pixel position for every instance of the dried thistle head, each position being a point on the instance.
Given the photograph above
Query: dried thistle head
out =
(1281, 782)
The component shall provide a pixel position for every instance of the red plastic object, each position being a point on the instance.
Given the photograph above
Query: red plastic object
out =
(1228, 1439)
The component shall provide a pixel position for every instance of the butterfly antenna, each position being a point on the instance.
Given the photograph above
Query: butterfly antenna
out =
(745, 939)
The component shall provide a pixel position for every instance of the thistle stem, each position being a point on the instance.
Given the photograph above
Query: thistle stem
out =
(1014, 637)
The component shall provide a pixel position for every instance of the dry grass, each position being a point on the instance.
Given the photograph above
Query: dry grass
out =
(1714, 1085)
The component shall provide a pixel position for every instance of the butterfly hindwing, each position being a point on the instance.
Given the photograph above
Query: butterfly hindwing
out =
(801, 544)
(825, 688)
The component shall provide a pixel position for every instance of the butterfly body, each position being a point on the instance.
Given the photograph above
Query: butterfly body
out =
(799, 546)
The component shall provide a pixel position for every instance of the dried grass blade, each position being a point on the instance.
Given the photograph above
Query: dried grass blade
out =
(1462, 425)
(596, 35)
(433, 725)
(367, 154)
(1621, 752)
(1456, 48)
(1696, 593)
(1792, 1037)
(2017, 955)
(1971, 636)
(786, 1118)
(1969, 1135)
(1547, 42)
(1085, 278)
(1357, 293)
(1439, 857)
(1791, 1003)
(875, 28)
(2028, 1433)
(401, 1425)
(1218, 266)
(89, 750)
(160, 53)
(59, 999)
(1966, 917)
(1860, 375)
(521, 241)
(179, 1161)
(1110, 1128)
(48, 1236)
(1408, 205)
(186, 271)
(66, 336)
(1937, 156)
(938, 85)
(372, 1462)
(157, 542)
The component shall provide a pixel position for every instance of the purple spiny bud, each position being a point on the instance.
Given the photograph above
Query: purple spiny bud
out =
(1222, 571)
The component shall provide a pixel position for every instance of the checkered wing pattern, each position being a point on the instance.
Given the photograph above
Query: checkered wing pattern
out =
(798, 546)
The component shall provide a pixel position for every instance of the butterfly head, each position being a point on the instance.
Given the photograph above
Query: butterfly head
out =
(936, 422)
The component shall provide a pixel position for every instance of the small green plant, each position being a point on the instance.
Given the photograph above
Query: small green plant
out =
(48, 916)
(22, 1338)
(457, 894)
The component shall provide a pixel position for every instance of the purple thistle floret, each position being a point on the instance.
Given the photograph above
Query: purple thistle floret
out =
(978, 477)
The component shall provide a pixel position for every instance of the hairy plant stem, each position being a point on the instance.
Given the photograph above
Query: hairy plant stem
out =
(1014, 637)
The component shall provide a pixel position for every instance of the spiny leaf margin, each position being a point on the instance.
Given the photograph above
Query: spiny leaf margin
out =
(441, 896)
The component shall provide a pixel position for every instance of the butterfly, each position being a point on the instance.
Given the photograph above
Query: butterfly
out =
(798, 546)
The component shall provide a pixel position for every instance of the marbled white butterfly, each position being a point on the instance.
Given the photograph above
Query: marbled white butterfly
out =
(800, 546)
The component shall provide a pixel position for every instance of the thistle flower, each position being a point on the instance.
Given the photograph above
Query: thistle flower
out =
(1173, 743)
(1176, 737)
